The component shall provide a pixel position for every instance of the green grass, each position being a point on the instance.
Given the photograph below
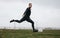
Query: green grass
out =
(6, 33)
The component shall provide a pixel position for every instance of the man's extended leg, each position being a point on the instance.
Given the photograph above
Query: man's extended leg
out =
(29, 20)
(18, 21)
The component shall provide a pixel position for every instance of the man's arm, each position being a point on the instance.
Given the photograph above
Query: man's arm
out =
(25, 12)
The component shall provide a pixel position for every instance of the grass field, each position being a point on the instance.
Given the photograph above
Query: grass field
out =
(29, 34)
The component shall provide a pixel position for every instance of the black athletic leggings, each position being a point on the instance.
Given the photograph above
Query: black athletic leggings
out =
(27, 19)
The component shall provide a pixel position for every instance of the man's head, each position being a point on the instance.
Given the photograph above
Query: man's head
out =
(30, 5)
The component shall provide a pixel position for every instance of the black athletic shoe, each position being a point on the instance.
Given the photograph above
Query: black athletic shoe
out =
(35, 30)
(11, 20)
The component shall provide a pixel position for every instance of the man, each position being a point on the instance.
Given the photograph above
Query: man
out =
(26, 17)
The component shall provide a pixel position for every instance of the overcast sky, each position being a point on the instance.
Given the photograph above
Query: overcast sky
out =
(45, 13)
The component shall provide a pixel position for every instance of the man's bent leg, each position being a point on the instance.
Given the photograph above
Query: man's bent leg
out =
(29, 20)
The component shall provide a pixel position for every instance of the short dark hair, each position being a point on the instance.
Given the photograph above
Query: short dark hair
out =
(30, 3)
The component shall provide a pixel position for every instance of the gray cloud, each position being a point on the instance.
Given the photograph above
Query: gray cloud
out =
(51, 3)
(44, 12)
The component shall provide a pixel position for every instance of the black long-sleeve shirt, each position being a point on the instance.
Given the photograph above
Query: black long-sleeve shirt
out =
(27, 12)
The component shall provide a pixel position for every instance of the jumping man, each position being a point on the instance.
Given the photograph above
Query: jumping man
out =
(26, 17)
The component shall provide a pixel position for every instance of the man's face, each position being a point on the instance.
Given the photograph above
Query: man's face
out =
(30, 5)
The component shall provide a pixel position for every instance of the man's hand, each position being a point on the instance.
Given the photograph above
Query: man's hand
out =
(23, 15)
